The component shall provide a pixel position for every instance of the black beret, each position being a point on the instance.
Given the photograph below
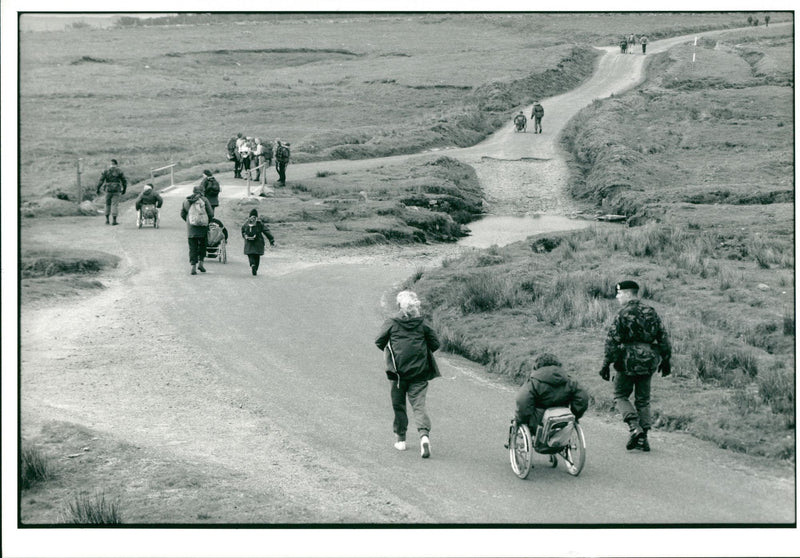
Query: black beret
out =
(627, 286)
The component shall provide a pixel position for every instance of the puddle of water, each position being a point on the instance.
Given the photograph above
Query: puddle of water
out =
(502, 230)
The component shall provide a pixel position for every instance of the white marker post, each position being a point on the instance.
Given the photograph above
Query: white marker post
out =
(694, 52)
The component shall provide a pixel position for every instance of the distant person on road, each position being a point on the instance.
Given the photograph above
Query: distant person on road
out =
(623, 45)
(114, 182)
(197, 212)
(637, 345)
(233, 155)
(254, 232)
(520, 122)
(240, 141)
(148, 197)
(537, 113)
(548, 386)
(211, 189)
(263, 155)
(631, 43)
(282, 155)
(245, 153)
(643, 40)
(408, 343)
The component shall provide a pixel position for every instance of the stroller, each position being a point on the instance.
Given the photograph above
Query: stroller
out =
(217, 241)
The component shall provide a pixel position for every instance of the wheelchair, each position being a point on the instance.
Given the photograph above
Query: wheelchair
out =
(147, 216)
(559, 435)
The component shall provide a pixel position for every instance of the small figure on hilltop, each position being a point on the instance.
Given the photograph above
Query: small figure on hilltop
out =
(408, 343)
(637, 345)
(643, 41)
(631, 43)
(520, 122)
(766, 20)
(197, 212)
(282, 155)
(263, 155)
(254, 231)
(548, 386)
(114, 182)
(148, 196)
(537, 113)
(211, 189)
(623, 45)
(233, 155)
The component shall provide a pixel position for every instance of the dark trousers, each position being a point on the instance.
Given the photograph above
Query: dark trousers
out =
(624, 385)
(245, 165)
(254, 260)
(416, 392)
(644, 47)
(237, 165)
(537, 124)
(280, 166)
(197, 249)
(112, 203)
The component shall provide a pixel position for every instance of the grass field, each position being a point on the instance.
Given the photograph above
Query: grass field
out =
(702, 159)
(337, 87)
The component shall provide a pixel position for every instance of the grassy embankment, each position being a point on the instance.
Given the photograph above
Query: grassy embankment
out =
(701, 159)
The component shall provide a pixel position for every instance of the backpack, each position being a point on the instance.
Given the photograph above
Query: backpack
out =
(282, 153)
(640, 359)
(197, 213)
(555, 431)
(212, 187)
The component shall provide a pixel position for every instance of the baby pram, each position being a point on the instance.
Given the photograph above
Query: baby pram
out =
(217, 241)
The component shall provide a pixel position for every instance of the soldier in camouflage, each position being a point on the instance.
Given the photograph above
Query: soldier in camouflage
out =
(637, 345)
(115, 184)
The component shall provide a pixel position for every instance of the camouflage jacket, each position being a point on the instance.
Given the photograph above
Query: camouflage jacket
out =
(636, 323)
(113, 179)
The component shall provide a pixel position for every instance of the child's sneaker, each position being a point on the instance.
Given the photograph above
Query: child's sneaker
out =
(425, 447)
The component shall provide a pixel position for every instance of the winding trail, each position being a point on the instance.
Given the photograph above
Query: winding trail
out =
(276, 381)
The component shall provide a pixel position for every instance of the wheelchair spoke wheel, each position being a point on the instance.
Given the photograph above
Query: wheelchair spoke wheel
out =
(520, 451)
(575, 453)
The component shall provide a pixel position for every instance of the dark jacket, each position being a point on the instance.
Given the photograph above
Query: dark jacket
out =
(113, 179)
(253, 232)
(636, 323)
(538, 110)
(151, 197)
(211, 189)
(411, 340)
(547, 387)
(195, 231)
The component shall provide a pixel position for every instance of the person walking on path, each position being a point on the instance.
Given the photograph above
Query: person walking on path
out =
(548, 386)
(197, 212)
(263, 155)
(233, 155)
(211, 189)
(282, 155)
(637, 345)
(643, 41)
(254, 231)
(408, 343)
(114, 182)
(537, 113)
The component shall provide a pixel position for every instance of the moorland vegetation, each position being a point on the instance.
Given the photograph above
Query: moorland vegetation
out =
(700, 160)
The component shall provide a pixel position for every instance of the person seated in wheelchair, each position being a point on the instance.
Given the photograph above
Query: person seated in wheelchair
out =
(548, 386)
(520, 121)
(149, 197)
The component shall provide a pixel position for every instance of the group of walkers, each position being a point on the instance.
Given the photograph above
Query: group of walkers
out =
(627, 43)
(251, 155)
(637, 346)
(537, 113)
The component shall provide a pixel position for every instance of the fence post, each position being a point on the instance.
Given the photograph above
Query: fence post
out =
(152, 177)
(80, 188)
(172, 174)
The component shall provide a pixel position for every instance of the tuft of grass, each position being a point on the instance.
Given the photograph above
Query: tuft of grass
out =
(93, 509)
(776, 387)
(34, 467)
(720, 362)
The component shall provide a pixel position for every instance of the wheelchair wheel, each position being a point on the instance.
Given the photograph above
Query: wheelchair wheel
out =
(575, 453)
(520, 450)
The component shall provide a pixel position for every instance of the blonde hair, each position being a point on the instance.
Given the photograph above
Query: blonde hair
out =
(409, 304)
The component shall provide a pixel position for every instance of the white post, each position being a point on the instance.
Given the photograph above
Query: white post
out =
(80, 188)
(172, 174)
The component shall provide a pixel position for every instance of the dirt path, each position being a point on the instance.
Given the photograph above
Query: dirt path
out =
(269, 388)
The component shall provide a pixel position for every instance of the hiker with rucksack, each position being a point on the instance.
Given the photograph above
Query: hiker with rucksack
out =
(210, 188)
(254, 232)
(282, 155)
(263, 155)
(537, 113)
(548, 386)
(643, 41)
(113, 181)
(408, 343)
(637, 345)
(197, 212)
(233, 155)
